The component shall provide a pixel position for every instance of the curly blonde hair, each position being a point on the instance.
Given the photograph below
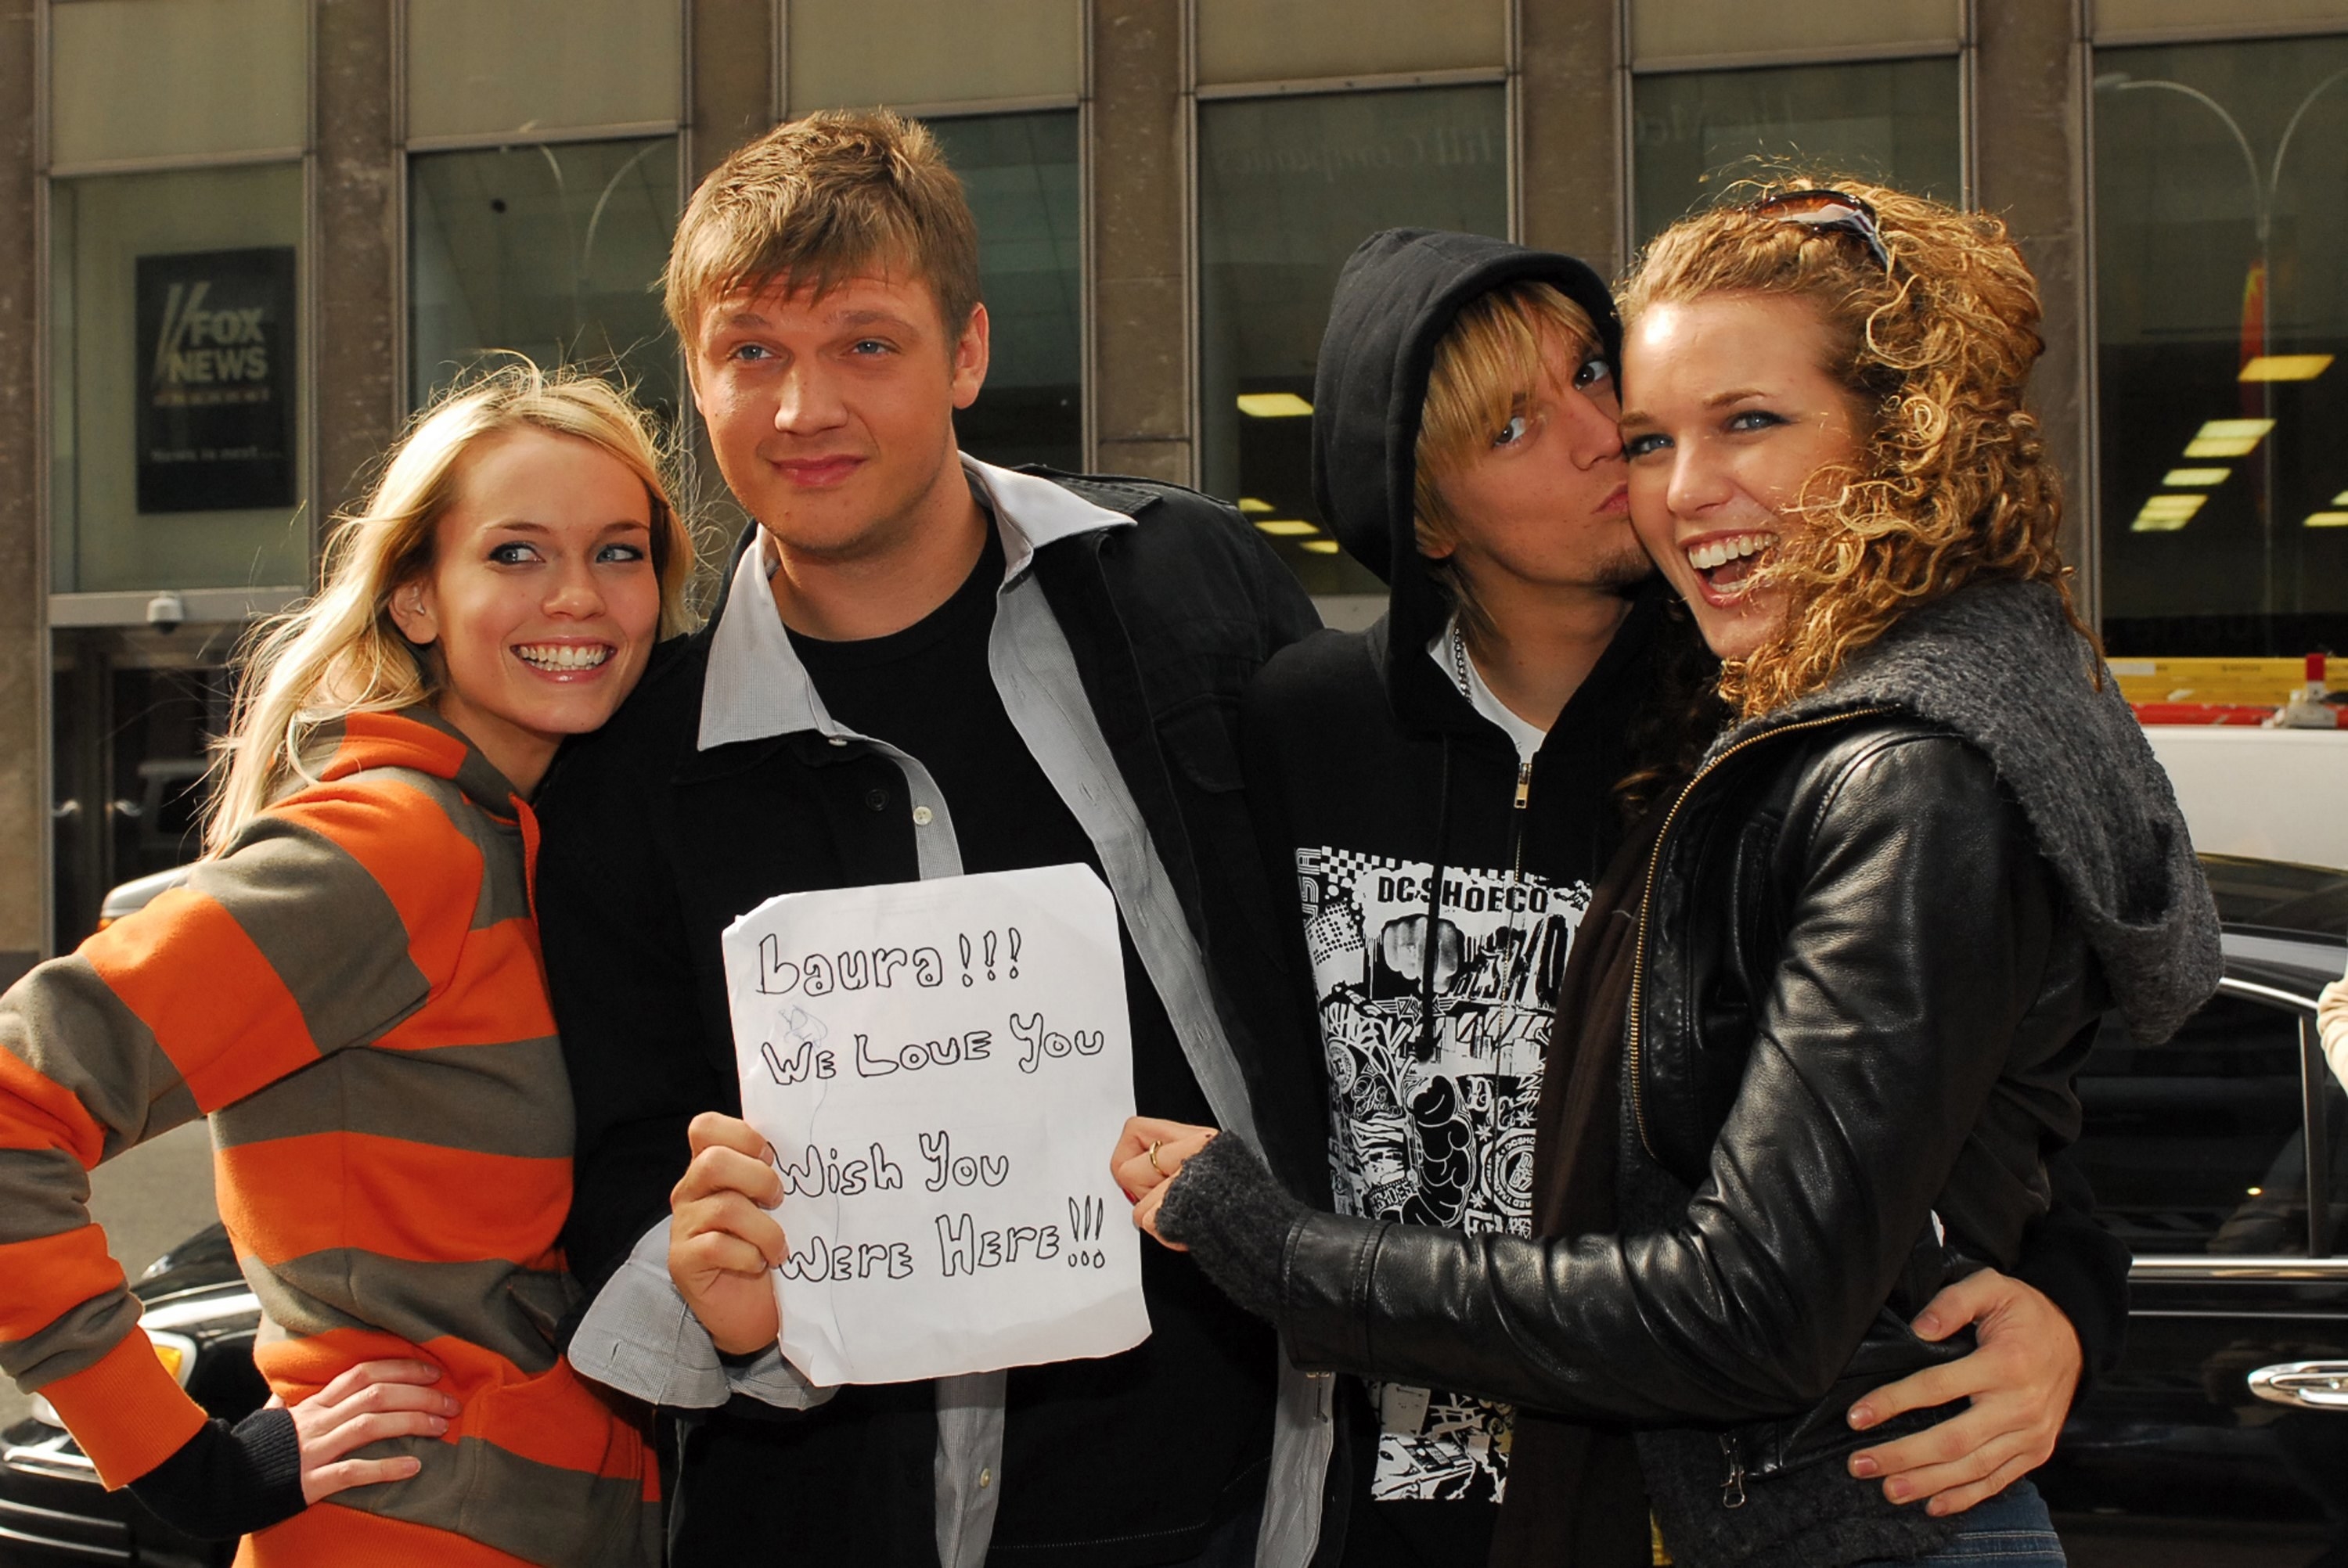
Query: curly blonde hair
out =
(1953, 481)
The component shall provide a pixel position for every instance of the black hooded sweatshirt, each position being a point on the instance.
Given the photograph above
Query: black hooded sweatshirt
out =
(1394, 808)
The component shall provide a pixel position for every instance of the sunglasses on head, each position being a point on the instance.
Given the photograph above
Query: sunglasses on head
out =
(1832, 212)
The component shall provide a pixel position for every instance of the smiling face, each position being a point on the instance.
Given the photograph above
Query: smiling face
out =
(541, 604)
(1544, 502)
(831, 416)
(1731, 410)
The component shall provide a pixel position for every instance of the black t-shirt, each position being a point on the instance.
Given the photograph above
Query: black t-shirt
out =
(1081, 1469)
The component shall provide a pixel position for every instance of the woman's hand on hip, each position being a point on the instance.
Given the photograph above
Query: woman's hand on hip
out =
(2020, 1382)
(1148, 1156)
(367, 1404)
(723, 1245)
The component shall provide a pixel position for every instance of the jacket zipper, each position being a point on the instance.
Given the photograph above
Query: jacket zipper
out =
(1647, 898)
(1731, 1490)
(1517, 819)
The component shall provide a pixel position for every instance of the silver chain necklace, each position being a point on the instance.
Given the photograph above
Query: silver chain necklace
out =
(1461, 673)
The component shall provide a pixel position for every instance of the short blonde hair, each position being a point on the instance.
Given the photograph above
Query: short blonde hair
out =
(1485, 363)
(820, 199)
(340, 652)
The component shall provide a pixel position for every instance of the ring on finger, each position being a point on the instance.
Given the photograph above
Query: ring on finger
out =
(1153, 1158)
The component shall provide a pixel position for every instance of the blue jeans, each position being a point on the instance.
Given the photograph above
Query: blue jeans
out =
(2011, 1529)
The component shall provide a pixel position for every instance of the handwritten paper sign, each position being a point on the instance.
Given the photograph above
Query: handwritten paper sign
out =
(942, 1068)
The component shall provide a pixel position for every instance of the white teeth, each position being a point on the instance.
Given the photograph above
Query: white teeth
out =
(1720, 552)
(563, 655)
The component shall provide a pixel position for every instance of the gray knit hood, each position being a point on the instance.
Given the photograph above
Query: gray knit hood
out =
(2000, 665)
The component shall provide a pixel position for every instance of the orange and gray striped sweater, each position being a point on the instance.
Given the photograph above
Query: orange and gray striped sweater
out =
(353, 993)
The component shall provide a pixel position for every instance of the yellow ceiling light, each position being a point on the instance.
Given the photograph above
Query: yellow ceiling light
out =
(1251, 506)
(2165, 514)
(1285, 528)
(1274, 405)
(1321, 547)
(2327, 520)
(2341, 499)
(2229, 437)
(2286, 367)
(2176, 478)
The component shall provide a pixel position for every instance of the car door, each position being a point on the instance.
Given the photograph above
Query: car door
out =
(2221, 1440)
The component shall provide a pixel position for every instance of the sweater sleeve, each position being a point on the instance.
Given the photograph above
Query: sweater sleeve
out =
(329, 921)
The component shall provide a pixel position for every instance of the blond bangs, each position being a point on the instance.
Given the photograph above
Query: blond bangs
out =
(1486, 366)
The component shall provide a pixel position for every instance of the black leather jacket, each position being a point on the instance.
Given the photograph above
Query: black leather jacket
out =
(1860, 1002)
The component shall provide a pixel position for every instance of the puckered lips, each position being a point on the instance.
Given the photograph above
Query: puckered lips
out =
(566, 659)
(1725, 562)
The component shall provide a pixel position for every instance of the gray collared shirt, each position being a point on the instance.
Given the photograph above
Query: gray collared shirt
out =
(639, 1337)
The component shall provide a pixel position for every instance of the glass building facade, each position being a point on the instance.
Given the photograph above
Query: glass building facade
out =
(268, 232)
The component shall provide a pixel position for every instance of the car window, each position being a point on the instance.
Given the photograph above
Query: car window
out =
(2198, 1145)
(2333, 1121)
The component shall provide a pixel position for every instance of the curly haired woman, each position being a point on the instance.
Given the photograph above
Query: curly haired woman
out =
(1846, 979)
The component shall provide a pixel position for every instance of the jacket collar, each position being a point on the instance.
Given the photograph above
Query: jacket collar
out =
(756, 688)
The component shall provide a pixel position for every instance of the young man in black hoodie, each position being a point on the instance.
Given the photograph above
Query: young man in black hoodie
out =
(1441, 791)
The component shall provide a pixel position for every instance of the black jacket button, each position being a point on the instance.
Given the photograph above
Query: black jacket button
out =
(877, 798)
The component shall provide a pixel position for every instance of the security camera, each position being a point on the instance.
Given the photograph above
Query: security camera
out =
(166, 612)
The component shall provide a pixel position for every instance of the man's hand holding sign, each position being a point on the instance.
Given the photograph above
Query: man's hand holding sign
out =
(928, 1069)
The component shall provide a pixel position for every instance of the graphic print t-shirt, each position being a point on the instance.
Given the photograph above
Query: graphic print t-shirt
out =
(1440, 1132)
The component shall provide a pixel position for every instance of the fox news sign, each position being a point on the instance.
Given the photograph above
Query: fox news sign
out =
(215, 380)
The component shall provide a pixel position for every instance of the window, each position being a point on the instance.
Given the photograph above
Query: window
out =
(176, 381)
(552, 252)
(1694, 132)
(136, 79)
(538, 67)
(1021, 174)
(1287, 187)
(2200, 1146)
(1242, 41)
(843, 54)
(2221, 281)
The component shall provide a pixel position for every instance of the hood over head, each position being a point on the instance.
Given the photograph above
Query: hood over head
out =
(1399, 294)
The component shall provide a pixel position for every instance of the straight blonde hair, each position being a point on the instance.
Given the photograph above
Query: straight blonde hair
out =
(340, 652)
(1487, 362)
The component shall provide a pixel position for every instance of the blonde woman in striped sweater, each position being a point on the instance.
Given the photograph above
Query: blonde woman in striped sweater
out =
(349, 987)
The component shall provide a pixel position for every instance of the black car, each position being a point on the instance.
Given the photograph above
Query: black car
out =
(2221, 1442)
(2221, 1159)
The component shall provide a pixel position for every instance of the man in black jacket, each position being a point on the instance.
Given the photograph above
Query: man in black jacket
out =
(923, 665)
(1441, 790)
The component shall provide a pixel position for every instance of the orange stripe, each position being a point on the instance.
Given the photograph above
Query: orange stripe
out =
(346, 1538)
(51, 1275)
(389, 740)
(215, 1004)
(496, 993)
(126, 1412)
(555, 1419)
(297, 1369)
(39, 1112)
(285, 1198)
(407, 843)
